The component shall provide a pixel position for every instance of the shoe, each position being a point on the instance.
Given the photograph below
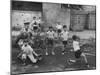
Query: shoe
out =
(24, 64)
(40, 58)
(53, 53)
(70, 62)
(87, 65)
(63, 53)
(46, 53)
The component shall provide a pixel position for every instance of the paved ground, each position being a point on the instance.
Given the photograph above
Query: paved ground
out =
(58, 62)
(82, 34)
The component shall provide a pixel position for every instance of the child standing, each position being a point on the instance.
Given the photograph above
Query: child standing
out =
(64, 36)
(50, 41)
(78, 51)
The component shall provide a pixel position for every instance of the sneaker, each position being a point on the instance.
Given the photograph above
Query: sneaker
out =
(73, 61)
(70, 61)
(63, 53)
(46, 53)
(40, 58)
(87, 65)
(24, 64)
(53, 53)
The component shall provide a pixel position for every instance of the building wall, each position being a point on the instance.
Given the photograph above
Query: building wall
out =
(22, 11)
(83, 19)
(53, 13)
(92, 21)
(20, 17)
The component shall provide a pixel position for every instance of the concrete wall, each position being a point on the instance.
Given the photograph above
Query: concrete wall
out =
(53, 13)
(20, 17)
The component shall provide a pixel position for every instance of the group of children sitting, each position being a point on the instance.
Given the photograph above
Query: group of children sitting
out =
(61, 33)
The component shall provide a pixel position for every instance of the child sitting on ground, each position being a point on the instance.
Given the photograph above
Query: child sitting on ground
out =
(27, 51)
(77, 51)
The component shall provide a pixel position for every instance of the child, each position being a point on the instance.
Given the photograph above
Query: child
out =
(32, 23)
(50, 41)
(27, 51)
(20, 43)
(78, 51)
(25, 28)
(25, 32)
(64, 36)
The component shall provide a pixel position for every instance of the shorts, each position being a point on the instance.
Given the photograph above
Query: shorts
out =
(50, 41)
(64, 42)
(59, 30)
(78, 54)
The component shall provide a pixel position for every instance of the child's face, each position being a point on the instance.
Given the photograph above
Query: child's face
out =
(58, 23)
(25, 44)
(76, 39)
(65, 29)
(34, 18)
(50, 29)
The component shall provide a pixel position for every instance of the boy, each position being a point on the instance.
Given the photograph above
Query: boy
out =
(50, 41)
(24, 32)
(25, 28)
(27, 51)
(64, 36)
(32, 23)
(78, 51)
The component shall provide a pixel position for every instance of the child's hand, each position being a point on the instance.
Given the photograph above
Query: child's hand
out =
(71, 50)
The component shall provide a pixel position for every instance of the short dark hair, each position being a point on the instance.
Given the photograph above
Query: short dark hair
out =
(34, 17)
(35, 23)
(25, 41)
(64, 26)
(35, 27)
(74, 37)
(26, 23)
(50, 27)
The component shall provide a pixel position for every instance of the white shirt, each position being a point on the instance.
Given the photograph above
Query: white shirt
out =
(20, 42)
(32, 24)
(27, 49)
(76, 45)
(59, 26)
(38, 21)
(34, 33)
(50, 34)
(64, 35)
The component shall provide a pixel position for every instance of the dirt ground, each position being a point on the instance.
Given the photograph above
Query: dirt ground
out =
(58, 62)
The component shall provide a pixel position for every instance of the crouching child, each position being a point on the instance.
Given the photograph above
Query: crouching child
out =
(27, 51)
(78, 53)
